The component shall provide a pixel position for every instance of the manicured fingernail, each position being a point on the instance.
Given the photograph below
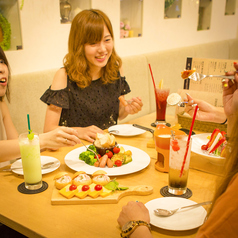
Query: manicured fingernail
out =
(223, 80)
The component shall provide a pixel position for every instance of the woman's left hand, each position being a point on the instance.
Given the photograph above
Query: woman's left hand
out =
(134, 105)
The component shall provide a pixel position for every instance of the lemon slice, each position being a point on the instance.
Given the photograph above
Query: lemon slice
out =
(161, 83)
(173, 99)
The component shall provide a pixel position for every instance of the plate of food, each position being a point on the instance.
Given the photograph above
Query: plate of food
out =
(44, 160)
(125, 130)
(183, 220)
(140, 160)
(210, 145)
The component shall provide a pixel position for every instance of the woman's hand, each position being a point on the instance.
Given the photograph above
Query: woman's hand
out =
(132, 106)
(89, 133)
(230, 93)
(59, 137)
(206, 112)
(133, 211)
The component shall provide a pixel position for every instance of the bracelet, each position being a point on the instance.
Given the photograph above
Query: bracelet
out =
(224, 122)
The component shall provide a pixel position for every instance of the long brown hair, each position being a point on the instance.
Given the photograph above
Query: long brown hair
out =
(3, 57)
(88, 27)
(231, 163)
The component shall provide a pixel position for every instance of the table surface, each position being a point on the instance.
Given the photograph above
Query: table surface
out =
(34, 215)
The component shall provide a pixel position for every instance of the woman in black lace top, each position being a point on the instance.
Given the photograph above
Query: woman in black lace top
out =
(84, 94)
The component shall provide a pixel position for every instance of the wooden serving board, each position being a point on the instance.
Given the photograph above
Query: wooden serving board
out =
(58, 199)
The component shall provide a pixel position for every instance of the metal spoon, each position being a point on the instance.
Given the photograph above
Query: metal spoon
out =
(114, 131)
(167, 213)
(44, 166)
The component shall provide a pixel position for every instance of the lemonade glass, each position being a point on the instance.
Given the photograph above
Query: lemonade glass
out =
(31, 162)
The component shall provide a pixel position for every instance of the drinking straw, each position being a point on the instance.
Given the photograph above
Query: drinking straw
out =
(154, 85)
(189, 138)
(28, 121)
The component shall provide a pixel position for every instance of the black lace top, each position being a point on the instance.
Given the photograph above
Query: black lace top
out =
(96, 104)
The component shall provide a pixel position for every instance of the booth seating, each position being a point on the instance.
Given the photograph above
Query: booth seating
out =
(26, 89)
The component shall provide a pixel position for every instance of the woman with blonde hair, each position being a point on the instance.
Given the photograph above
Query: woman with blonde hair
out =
(85, 93)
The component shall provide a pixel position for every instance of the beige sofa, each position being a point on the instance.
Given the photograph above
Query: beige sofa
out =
(26, 89)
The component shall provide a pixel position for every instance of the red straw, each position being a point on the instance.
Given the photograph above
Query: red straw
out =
(154, 85)
(189, 137)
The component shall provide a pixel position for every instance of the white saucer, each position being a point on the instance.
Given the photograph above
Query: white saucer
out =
(44, 160)
(126, 130)
(183, 220)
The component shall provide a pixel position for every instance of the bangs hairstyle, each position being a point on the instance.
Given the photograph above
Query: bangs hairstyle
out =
(4, 58)
(87, 28)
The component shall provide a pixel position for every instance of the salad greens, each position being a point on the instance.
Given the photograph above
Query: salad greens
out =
(113, 185)
(88, 156)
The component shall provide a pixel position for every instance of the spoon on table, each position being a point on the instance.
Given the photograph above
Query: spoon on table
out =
(43, 166)
(167, 213)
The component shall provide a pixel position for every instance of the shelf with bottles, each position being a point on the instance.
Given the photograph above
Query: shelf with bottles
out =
(10, 29)
(131, 15)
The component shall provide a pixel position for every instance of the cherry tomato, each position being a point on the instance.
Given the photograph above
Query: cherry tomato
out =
(99, 156)
(118, 163)
(116, 150)
(72, 187)
(85, 188)
(175, 147)
(204, 147)
(98, 187)
(109, 154)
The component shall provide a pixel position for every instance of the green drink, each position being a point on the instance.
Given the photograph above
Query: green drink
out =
(31, 163)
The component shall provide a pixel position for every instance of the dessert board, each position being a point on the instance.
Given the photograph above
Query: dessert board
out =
(58, 199)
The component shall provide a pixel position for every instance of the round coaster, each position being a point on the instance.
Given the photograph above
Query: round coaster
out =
(22, 189)
(165, 193)
(155, 124)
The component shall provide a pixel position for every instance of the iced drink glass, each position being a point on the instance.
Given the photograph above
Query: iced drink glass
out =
(177, 183)
(161, 103)
(31, 162)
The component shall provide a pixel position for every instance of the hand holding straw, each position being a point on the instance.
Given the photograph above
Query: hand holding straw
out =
(189, 138)
(157, 101)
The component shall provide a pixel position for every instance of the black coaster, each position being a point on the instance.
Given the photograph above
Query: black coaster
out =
(154, 124)
(22, 189)
(165, 193)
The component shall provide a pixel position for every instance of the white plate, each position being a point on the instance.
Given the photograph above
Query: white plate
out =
(186, 219)
(202, 139)
(44, 160)
(140, 160)
(126, 130)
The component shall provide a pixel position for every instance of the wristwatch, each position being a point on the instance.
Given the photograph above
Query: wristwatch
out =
(130, 226)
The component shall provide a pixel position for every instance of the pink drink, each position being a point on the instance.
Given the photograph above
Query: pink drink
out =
(161, 103)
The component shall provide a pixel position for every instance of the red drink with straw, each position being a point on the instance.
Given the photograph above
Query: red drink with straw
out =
(161, 103)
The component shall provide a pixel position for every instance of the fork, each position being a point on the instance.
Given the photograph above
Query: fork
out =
(198, 77)
(91, 151)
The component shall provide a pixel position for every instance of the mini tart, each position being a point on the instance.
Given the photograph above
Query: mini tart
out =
(100, 177)
(81, 178)
(62, 179)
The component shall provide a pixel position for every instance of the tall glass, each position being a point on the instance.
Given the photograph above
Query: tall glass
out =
(161, 103)
(31, 162)
(177, 183)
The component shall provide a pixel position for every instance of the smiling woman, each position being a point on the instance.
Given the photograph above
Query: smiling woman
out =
(84, 94)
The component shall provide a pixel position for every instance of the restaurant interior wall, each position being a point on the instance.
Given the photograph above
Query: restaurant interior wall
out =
(44, 38)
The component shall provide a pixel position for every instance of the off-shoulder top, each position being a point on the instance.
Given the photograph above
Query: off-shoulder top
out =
(97, 104)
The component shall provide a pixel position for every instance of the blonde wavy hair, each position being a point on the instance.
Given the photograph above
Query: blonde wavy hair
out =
(88, 27)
